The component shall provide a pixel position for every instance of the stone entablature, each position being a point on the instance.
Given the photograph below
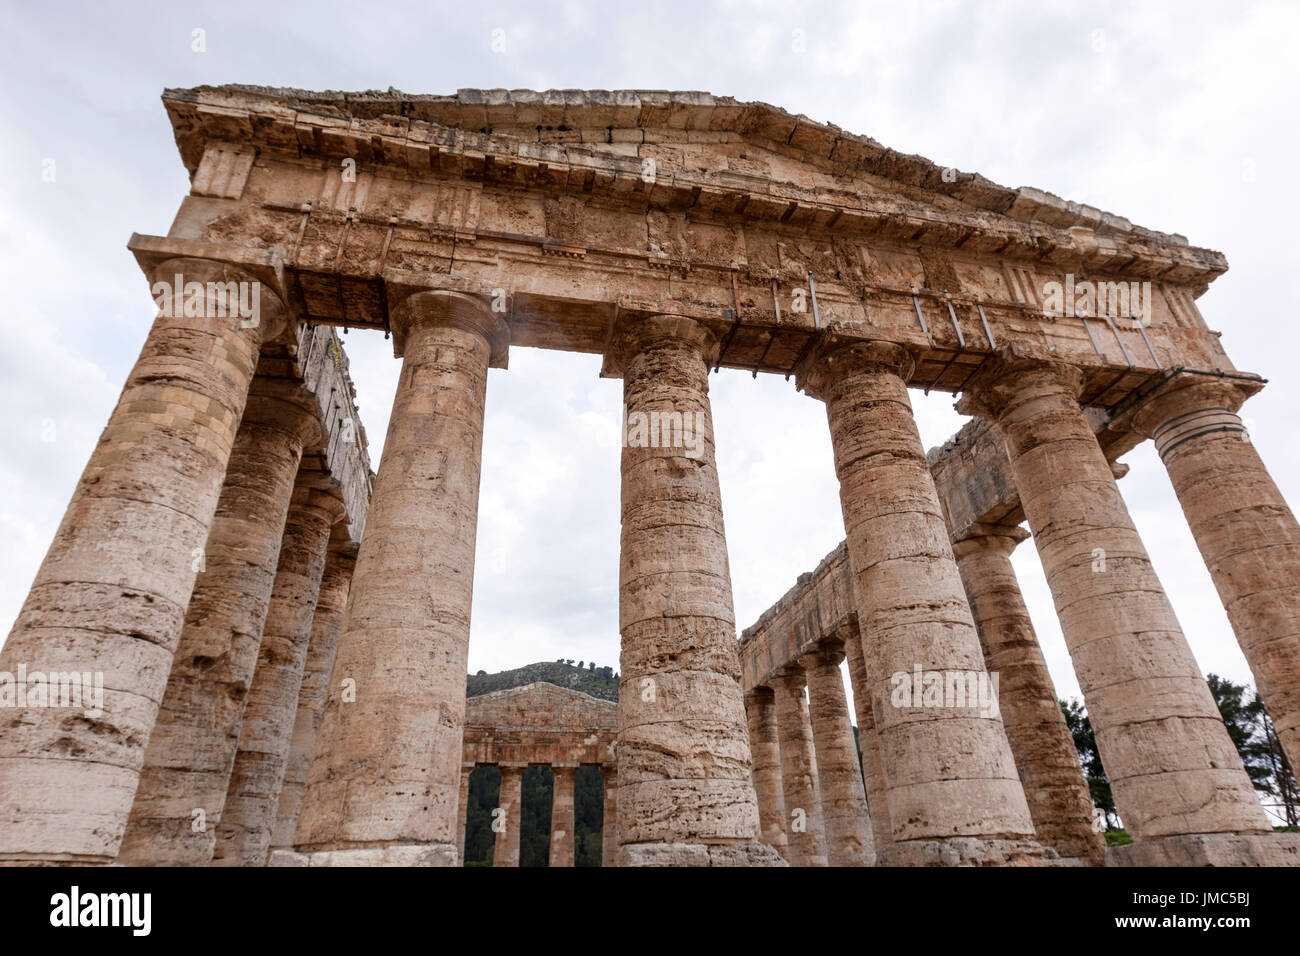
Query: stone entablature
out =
(737, 208)
(539, 723)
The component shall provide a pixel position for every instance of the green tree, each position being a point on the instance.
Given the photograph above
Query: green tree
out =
(1085, 742)
(1252, 732)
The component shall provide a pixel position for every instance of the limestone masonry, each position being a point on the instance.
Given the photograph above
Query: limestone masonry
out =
(283, 639)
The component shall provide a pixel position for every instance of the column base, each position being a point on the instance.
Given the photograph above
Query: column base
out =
(1210, 849)
(971, 851)
(419, 854)
(698, 854)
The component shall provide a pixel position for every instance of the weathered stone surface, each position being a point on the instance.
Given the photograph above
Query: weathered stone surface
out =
(1210, 849)
(1046, 758)
(266, 732)
(1244, 528)
(839, 780)
(948, 769)
(873, 770)
(326, 626)
(765, 752)
(683, 749)
(117, 579)
(1170, 763)
(388, 758)
(187, 766)
(609, 834)
(562, 824)
(805, 833)
(506, 821)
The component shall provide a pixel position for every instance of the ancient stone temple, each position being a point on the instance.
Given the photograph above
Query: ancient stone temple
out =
(540, 724)
(283, 641)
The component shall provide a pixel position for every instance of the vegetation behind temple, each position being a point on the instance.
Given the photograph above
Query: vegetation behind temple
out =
(1251, 730)
(535, 819)
(584, 676)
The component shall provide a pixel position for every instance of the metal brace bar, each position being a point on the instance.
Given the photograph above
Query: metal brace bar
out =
(1143, 333)
(812, 289)
(1091, 338)
(952, 314)
(987, 330)
(1115, 332)
(920, 318)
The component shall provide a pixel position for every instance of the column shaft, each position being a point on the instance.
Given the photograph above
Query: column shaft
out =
(839, 778)
(1244, 529)
(609, 824)
(953, 789)
(326, 626)
(383, 781)
(805, 837)
(683, 751)
(505, 849)
(1045, 754)
(1170, 762)
(873, 770)
(462, 802)
(111, 594)
(187, 765)
(562, 823)
(244, 831)
(765, 749)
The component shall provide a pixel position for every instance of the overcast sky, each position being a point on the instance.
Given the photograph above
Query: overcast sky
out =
(1180, 116)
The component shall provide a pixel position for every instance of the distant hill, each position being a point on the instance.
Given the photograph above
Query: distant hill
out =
(601, 682)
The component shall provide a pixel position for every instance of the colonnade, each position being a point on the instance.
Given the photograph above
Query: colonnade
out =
(216, 679)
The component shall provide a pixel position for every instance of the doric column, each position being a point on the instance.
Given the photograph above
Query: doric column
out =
(562, 824)
(383, 781)
(873, 771)
(111, 594)
(805, 838)
(954, 795)
(187, 765)
(326, 626)
(505, 848)
(839, 777)
(244, 831)
(462, 802)
(609, 824)
(1244, 528)
(765, 751)
(683, 751)
(1045, 754)
(1171, 765)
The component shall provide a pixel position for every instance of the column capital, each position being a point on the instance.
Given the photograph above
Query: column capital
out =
(457, 309)
(1182, 395)
(635, 333)
(229, 292)
(325, 501)
(284, 405)
(1008, 381)
(828, 652)
(791, 678)
(759, 691)
(979, 536)
(833, 358)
